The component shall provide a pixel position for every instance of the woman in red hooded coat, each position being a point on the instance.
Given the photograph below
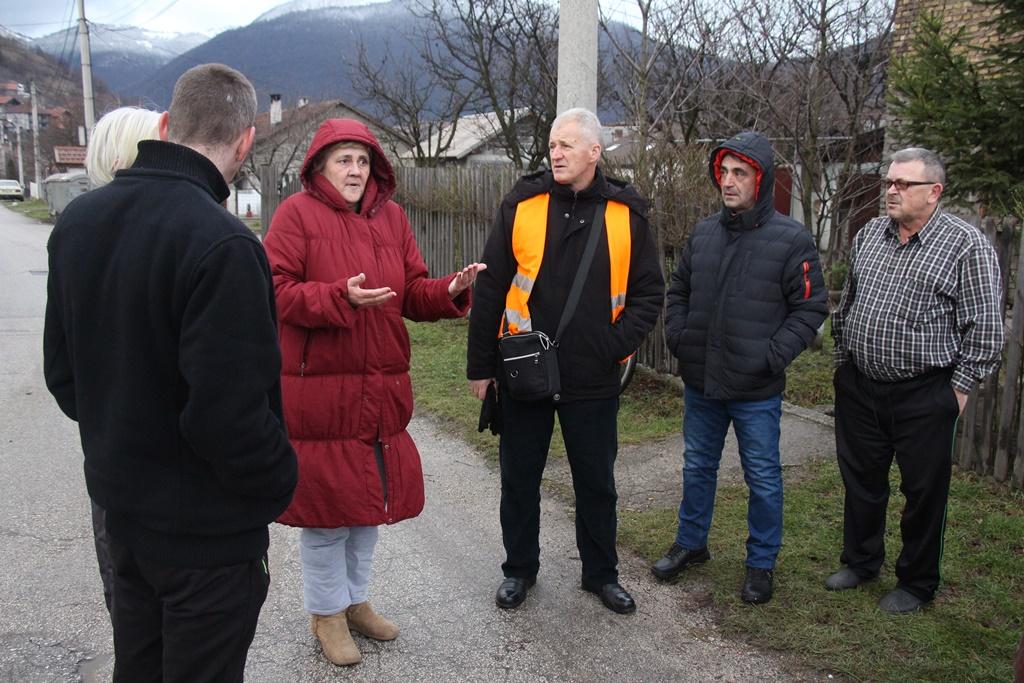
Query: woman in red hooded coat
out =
(346, 271)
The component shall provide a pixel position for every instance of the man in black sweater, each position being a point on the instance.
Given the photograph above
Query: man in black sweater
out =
(161, 342)
(746, 298)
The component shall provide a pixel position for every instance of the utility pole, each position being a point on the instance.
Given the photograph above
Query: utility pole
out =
(83, 44)
(21, 166)
(35, 141)
(577, 54)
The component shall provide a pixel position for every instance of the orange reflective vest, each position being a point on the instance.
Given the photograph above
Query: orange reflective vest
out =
(528, 233)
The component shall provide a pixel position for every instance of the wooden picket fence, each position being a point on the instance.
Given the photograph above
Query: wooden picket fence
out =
(451, 210)
(991, 431)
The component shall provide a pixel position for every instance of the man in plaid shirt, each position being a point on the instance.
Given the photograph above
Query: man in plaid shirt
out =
(919, 324)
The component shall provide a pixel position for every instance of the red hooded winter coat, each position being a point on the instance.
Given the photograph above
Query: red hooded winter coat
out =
(345, 370)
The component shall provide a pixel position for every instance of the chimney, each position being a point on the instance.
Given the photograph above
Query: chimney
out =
(303, 101)
(275, 109)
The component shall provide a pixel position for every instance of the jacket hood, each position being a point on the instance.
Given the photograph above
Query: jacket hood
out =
(756, 150)
(380, 186)
(603, 186)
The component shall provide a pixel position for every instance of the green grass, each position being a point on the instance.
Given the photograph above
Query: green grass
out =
(969, 634)
(33, 208)
(439, 380)
(651, 407)
(809, 377)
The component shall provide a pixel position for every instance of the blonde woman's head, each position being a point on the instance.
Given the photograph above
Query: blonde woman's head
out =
(115, 139)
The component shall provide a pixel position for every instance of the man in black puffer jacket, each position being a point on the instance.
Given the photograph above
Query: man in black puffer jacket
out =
(746, 298)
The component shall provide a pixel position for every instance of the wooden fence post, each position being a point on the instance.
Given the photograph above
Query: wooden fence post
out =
(269, 196)
(1011, 379)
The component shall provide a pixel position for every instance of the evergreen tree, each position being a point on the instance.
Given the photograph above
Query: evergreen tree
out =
(971, 111)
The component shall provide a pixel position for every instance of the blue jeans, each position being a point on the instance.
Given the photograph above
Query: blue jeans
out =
(705, 423)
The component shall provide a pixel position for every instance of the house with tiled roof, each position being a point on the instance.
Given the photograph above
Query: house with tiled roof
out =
(68, 157)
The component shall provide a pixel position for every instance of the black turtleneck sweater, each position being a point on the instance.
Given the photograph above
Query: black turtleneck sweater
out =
(161, 342)
(591, 346)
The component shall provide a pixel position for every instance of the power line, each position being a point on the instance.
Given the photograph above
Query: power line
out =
(171, 4)
(126, 13)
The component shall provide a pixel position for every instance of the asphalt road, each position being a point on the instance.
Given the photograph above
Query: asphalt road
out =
(435, 576)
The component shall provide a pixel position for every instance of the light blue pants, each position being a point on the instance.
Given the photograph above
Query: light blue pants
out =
(336, 567)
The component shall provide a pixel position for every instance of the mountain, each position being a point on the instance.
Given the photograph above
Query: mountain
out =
(307, 5)
(303, 53)
(14, 35)
(57, 84)
(120, 54)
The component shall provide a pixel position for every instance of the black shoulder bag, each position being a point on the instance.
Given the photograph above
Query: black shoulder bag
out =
(530, 358)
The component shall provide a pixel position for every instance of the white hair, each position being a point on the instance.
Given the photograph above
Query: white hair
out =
(586, 121)
(115, 139)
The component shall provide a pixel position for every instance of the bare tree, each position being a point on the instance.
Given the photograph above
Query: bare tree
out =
(660, 75)
(420, 104)
(809, 74)
(283, 145)
(504, 53)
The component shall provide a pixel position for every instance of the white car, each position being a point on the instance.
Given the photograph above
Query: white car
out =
(11, 189)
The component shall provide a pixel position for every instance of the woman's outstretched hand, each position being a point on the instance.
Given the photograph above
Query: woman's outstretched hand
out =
(465, 278)
(359, 297)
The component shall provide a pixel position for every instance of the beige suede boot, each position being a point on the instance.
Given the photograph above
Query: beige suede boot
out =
(335, 639)
(363, 619)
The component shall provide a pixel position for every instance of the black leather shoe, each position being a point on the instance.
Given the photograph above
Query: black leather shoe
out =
(614, 597)
(678, 558)
(512, 591)
(757, 586)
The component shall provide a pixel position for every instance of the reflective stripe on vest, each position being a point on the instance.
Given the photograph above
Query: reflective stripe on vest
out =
(529, 231)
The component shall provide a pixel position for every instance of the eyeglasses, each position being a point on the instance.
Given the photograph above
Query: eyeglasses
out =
(902, 185)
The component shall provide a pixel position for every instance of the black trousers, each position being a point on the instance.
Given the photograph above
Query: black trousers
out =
(175, 624)
(102, 542)
(914, 421)
(591, 443)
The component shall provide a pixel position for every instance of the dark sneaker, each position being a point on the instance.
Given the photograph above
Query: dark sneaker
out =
(676, 559)
(757, 586)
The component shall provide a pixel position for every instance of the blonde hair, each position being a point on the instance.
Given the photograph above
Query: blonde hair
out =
(115, 139)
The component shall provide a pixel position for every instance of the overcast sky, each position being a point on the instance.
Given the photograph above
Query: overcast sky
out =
(40, 17)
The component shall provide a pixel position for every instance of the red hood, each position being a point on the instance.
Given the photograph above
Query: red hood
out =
(379, 187)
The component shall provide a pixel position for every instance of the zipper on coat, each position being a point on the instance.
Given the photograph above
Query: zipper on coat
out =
(807, 279)
(305, 348)
(378, 452)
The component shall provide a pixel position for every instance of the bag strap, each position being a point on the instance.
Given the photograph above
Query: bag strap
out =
(577, 284)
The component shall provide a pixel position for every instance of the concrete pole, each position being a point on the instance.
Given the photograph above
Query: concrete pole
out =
(21, 166)
(3, 149)
(577, 54)
(35, 140)
(83, 45)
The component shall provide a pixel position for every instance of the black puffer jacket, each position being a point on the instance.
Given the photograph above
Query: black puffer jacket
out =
(747, 295)
(591, 346)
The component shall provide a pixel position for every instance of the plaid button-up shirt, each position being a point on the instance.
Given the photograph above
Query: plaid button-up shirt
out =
(934, 302)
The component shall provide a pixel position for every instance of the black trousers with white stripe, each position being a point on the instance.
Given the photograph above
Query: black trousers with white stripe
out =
(913, 421)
